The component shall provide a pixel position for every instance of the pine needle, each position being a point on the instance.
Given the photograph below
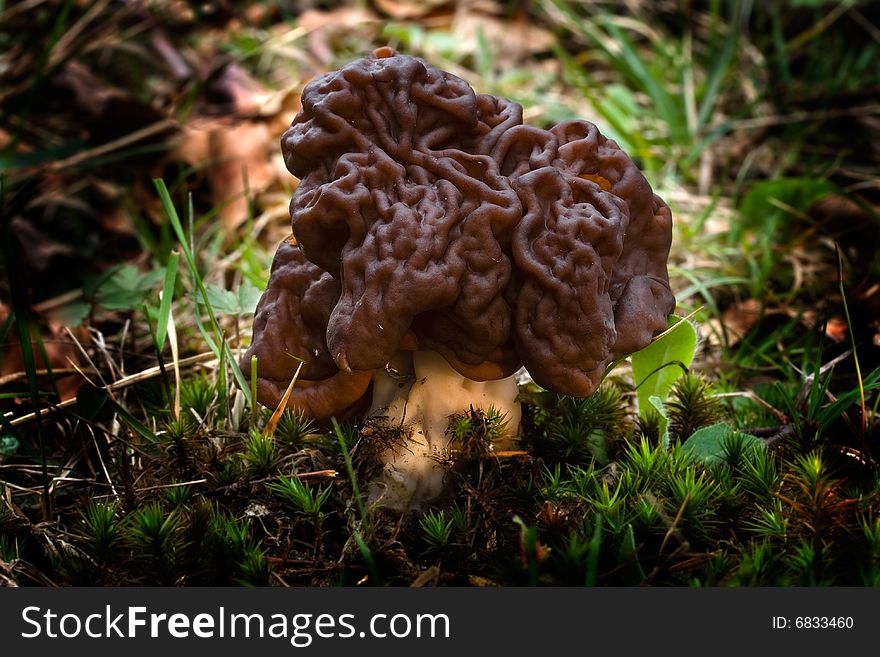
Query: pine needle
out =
(279, 411)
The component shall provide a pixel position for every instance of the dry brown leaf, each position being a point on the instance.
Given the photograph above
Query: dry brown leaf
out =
(238, 159)
(236, 93)
(61, 354)
(513, 39)
(737, 320)
(410, 9)
(109, 112)
(326, 27)
(837, 329)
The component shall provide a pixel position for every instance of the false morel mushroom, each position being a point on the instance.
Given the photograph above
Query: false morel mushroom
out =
(439, 245)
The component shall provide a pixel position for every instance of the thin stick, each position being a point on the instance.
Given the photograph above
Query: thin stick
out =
(116, 385)
(61, 371)
(109, 147)
(174, 485)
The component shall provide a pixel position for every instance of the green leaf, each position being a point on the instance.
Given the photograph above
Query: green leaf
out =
(220, 300)
(770, 206)
(124, 287)
(70, 314)
(658, 405)
(248, 297)
(242, 302)
(167, 298)
(707, 444)
(8, 445)
(657, 367)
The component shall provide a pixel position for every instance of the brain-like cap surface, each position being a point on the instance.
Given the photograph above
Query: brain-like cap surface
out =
(430, 217)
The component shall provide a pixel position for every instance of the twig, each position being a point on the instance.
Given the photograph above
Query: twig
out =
(782, 417)
(803, 116)
(116, 385)
(15, 376)
(174, 485)
(109, 147)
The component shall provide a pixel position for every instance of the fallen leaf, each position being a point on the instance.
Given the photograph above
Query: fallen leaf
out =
(513, 39)
(61, 353)
(326, 28)
(410, 9)
(238, 159)
(837, 329)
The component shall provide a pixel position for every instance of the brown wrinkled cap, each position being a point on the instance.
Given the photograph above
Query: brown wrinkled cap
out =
(429, 214)
(289, 328)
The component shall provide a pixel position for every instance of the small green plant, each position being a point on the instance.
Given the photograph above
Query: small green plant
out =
(648, 515)
(647, 461)
(691, 406)
(582, 429)
(253, 567)
(293, 427)
(693, 497)
(229, 552)
(553, 485)
(437, 529)
(197, 395)
(300, 495)
(304, 500)
(260, 453)
(610, 504)
(156, 534)
(760, 475)
(583, 480)
(179, 428)
(815, 505)
(178, 496)
(463, 524)
(770, 523)
(737, 449)
(570, 559)
(475, 430)
(101, 530)
(809, 562)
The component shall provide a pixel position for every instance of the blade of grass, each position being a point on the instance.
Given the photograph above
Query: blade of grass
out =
(852, 337)
(337, 430)
(716, 75)
(631, 64)
(219, 346)
(254, 390)
(21, 310)
(175, 362)
(358, 537)
(166, 299)
(220, 337)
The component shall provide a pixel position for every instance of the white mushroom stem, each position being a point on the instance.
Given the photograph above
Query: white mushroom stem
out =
(419, 392)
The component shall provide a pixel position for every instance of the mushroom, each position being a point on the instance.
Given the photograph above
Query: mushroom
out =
(438, 246)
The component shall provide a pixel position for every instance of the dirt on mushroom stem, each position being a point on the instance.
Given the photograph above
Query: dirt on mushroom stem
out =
(420, 392)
